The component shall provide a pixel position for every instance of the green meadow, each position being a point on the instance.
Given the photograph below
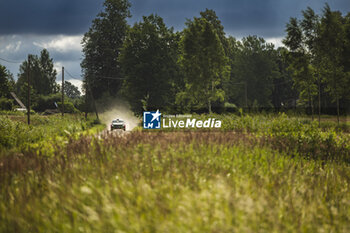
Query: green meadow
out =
(258, 173)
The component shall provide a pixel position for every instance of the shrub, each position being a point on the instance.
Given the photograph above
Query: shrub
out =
(68, 107)
(230, 107)
(79, 103)
(7, 128)
(47, 102)
(6, 104)
(47, 131)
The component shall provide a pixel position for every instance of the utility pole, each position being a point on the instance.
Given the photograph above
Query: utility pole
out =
(246, 95)
(62, 91)
(92, 98)
(94, 104)
(28, 90)
(319, 99)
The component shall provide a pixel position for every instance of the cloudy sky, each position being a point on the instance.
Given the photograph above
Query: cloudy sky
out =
(28, 26)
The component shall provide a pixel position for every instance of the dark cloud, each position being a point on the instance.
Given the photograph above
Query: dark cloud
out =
(65, 50)
(47, 16)
(240, 17)
(72, 17)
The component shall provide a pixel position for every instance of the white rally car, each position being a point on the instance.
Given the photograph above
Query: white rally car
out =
(118, 124)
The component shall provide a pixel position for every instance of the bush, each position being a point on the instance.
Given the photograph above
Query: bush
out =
(79, 104)
(7, 129)
(230, 107)
(43, 131)
(6, 104)
(68, 107)
(47, 102)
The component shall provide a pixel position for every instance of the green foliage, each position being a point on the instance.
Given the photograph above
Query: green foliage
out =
(43, 132)
(204, 63)
(304, 77)
(253, 69)
(7, 134)
(68, 107)
(47, 102)
(229, 107)
(80, 104)
(102, 45)
(42, 75)
(6, 104)
(71, 91)
(288, 134)
(332, 39)
(213, 19)
(148, 60)
(294, 36)
(6, 82)
(200, 67)
(319, 46)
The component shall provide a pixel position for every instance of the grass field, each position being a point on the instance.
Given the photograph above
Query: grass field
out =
(257, 174)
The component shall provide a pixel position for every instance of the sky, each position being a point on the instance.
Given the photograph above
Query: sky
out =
(28, 26)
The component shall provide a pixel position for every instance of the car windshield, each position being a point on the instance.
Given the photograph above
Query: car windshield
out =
(117, 121)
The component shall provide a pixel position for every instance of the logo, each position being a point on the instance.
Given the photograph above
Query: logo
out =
(151, 120)
(192, 123)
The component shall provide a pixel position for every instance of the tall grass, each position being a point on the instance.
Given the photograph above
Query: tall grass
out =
(289, 134)
(17, 135)
(173, 182)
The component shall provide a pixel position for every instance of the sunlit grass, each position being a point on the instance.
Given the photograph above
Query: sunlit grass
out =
(16, 135)
(174, 182)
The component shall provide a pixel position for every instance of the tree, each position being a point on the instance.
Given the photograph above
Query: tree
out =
(319, 54)
(346, 60)
(71, 91)
(300, 59)
(101, 47)
(48, 74)
(294, 37)
(149, 62)
(229, 85)
(284, 96)
(254, 69)
(212, 18)
(205, 64)
(6, 86)
(6, 82)
(41, 73)
(346, 50)
(332, 43)
(310, 25)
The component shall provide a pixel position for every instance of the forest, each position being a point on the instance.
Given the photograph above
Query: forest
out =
(199, 69)
(202, 69)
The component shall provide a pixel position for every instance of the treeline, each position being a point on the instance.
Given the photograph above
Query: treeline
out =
(202, 69)
(44, 90)
(319, 58)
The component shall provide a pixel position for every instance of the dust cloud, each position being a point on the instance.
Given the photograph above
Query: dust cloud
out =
(115, 108)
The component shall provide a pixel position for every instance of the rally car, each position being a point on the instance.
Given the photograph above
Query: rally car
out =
(118, 124)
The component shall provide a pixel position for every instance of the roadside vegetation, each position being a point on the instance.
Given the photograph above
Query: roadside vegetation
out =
(44, 131)
(260, 174)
